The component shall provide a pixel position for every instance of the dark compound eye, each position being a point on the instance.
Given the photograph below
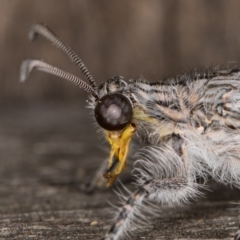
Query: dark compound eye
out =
(113, 111)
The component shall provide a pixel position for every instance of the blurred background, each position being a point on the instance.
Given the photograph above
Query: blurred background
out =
(48, 146)
(153, 39)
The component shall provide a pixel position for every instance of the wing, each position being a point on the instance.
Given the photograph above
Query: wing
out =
(198, 99)
(221, 99)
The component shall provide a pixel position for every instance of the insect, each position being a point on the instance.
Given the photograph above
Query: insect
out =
(188, 128)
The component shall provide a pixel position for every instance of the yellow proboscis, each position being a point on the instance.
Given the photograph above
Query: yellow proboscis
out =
(119, 141)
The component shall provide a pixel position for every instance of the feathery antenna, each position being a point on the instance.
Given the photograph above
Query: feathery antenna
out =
(48, 34)
(29, 64)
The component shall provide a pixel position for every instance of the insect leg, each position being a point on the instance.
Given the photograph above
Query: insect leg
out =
(98, 180)
(158, 180)
(159, 190)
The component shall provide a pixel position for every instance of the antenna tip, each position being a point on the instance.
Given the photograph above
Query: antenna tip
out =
(33, 32)
(24, 70)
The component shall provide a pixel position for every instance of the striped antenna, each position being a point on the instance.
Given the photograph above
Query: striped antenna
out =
(48, 34)
(29, 64)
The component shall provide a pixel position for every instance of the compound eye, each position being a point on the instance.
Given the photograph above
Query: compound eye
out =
(113, 111)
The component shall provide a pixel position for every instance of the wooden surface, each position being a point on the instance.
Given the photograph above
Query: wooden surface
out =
(47, 153)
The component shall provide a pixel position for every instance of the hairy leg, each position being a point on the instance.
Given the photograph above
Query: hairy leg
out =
(158, 180)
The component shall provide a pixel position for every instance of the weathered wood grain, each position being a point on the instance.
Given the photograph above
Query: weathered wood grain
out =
(48, 152)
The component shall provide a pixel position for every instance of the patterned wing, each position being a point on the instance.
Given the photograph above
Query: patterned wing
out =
(222, 99)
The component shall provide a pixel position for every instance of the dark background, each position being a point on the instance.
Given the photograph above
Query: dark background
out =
(129, 38)
(49, 147)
